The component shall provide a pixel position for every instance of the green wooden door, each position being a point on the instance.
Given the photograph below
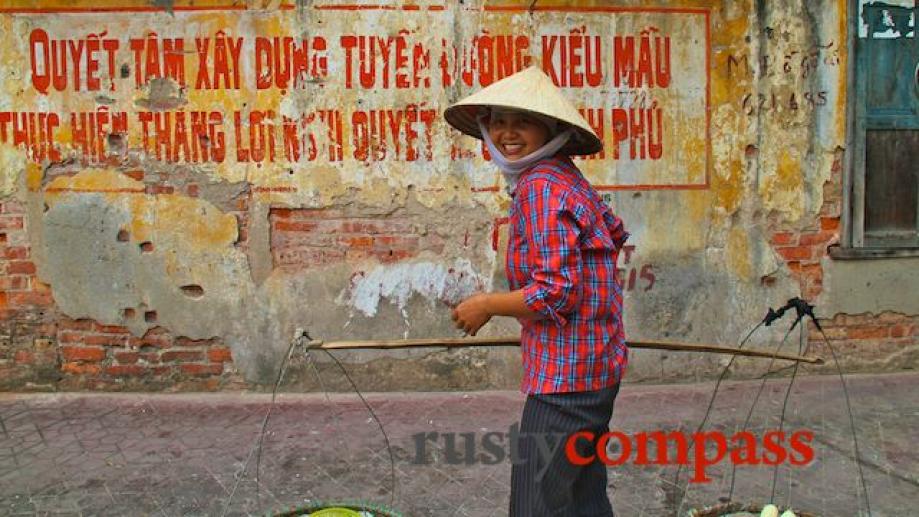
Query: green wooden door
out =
(887, 125)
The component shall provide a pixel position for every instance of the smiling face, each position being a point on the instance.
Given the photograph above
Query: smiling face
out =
(516, 133)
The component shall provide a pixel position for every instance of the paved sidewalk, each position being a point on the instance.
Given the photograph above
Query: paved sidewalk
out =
(177, 454)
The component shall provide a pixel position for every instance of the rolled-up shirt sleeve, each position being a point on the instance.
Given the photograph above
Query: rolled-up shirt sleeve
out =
(552, 232)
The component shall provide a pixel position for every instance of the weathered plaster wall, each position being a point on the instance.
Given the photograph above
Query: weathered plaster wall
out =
(171, 225)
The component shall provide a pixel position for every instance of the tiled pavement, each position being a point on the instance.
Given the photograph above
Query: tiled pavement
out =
(177, 454)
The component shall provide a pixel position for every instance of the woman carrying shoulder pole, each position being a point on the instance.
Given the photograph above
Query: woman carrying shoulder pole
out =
(561, 268)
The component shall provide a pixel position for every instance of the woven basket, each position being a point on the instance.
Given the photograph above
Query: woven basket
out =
(319, 507)
(725, 509)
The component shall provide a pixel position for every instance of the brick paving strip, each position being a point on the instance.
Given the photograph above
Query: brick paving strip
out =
(177, 454)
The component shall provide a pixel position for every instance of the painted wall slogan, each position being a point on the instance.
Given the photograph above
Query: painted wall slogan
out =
(355, 86)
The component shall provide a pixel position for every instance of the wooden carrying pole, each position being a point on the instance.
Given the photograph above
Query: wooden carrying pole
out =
(515, 341)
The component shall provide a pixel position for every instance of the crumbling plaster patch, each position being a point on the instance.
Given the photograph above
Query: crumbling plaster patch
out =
(12, 163)
(91, 240)
(860, 286)
(108, 246)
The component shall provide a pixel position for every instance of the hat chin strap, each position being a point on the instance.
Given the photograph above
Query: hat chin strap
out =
(511, 169)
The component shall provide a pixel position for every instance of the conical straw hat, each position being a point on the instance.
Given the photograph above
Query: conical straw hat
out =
(528, 90)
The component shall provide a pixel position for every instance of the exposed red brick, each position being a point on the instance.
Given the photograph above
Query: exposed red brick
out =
(38, 286)
(47, 329)
(810, 271)
(301, 257)
(281, 213)
(185, 341)
(359, 226)
(395, 255)
(202, 369)
(376, 226)
(396, 241)
(891, 317)
(21, 267)
(159, 189)
(24, 298)
(829, 224)
(305, 238)
(70, 337)
(79, 353)
(285, 241)
(783, 238)
(867, 332)
(109, 329)
(219, 354)
(80, 324)
(808, 239)
(355, 255)
(24, 357)
(12, 222)
(795, 253)
(151, 339)
(93, 383)
(192, 190)
(211, 384)
(14, 283)
(125, 370)
(81, 368)
(899, 331)
(305, 213)
(16, 253)
(295, 226)
(106, 339)
(360, 242)
(12, 207)
(127, 357)
(833, 333)
(811, 292)
(150, 357)
(182, 355)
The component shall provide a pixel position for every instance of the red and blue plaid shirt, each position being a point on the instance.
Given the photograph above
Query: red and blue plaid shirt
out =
(562, 251)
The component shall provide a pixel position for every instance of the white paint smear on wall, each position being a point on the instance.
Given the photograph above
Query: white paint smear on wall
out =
(399, 282)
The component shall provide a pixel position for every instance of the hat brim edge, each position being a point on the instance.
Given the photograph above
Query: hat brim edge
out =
(462, 117)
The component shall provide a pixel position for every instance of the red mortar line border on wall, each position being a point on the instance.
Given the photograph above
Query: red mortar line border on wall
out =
(596, 9)
(708, 84)
(360, 7)
(98, 190)
(496, 230)
(370, 7)
(688, 186)
(92, 10)
(261, 190)
(192, 8)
